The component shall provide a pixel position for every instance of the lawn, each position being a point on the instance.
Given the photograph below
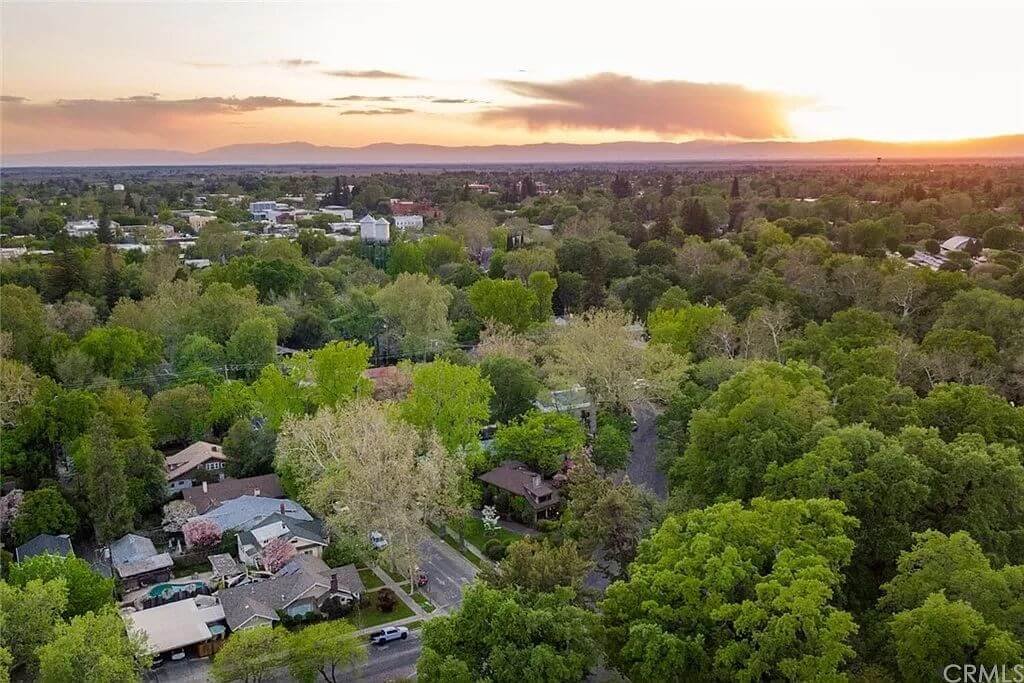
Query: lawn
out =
(371, 616)
(370, 580)
(424, 602)
(475, 533)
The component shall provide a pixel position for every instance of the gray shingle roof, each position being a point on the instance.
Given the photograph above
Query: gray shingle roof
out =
(309, 531)
(245, 512)
(131, 548)
(44, 544)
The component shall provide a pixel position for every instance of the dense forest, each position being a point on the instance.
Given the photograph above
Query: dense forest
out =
(835, 355)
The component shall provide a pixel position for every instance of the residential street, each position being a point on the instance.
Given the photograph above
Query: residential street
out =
(447, 571)
(642, 468)
(394, 661)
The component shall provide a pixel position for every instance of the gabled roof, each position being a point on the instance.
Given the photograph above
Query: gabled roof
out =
(44, 544)
(187, 459)
(281, 526)
(131, 548)
(216, 493)
(245, 512)
(518, 479)
(173, 626)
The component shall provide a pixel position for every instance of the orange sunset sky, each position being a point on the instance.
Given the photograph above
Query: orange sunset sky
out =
(191, 76)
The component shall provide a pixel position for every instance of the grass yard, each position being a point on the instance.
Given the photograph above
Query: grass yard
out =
(370, 580)
(371, 616)
(454, 542)
(475, 533)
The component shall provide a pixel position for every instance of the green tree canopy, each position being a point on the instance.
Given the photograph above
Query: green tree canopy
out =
(541, 440)
(453, 400)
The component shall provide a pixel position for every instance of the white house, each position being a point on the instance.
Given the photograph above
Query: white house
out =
(118, 187)
(262, 210)
(196, 221)
(305, 537)
(339, 211)
(411, 222)
(374, 229)
(82, 228)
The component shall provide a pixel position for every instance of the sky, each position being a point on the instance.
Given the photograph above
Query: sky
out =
(196, 75)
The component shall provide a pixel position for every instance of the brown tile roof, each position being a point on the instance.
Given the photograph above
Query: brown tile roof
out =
(516, 478)
(264, 486)
(188, 459)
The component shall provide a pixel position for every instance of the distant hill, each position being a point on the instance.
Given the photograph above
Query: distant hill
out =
(1009, 146)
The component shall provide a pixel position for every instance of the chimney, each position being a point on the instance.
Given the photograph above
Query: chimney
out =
(536, 480)
(282, 507)
(206, 487)
(334, 583)
(256, 491)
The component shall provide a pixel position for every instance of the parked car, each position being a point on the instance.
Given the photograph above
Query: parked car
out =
(389, 633)
(421, 579)
(377, 540)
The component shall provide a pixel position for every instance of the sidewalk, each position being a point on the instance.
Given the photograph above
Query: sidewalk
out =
(400, 622)
(417, 611)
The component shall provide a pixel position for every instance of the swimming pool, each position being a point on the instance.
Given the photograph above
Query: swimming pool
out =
(167, 589)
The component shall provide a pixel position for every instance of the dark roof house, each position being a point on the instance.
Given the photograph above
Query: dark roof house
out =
(44, 544)
(519, 480)
(211, 495)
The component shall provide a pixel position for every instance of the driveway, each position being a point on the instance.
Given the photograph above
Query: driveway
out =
(447, 572)
(643, 463)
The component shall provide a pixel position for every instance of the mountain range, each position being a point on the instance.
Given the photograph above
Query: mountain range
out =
(392, 154)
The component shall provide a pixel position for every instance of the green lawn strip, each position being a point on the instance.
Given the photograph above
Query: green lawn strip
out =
(370, 580)
(394, 577)
(475, 533)
(368, 617)
(413, 625)
(424, 602)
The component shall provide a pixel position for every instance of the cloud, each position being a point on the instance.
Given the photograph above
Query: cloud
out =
(12, 99)
(417, 98)
(296, 63)
(141, 113)
(375, 112)
(371, 73)
(364, 98)
(207, 65)
(609, 101)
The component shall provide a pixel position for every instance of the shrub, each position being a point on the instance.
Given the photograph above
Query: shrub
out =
(932, 246)
(495, 549)
(386, 600)
(548, 525)
(906, 250)
(522, 512)
(343, 550)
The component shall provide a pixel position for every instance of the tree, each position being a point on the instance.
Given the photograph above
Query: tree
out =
(30, 615)
(541, 440)
(93, 647)
(415, 310)
(543, 286)
(621, 187)
(252, 346)
(406, 257)
(25, 320)
(217, 241)
(763, 416)
(277, 395)
(515, 386)
(276, 553)
(180, 414)
(249, 448)
(941, 630)
(19, 388)
(230, 401)
(881, 403)
(611, 447)
(88, 591)
(599, 352)
(101, 461)
(508, 635)
(507, 302)
(328, 649)
(120, 352)
(336, 371)
(365, 470)
(539, 566)
(44, 511)
(731, 591)
(452, 400)
(956, 409)
(251, 655)
(201, 532)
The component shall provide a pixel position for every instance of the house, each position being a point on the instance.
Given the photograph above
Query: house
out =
(118, 187)
(574, 400)
(245, 512)
(185, 467)
(305, 537)
(82, 228)
(303, 586)
(339, 211)
(261, 209)
(961, 243)
(483, 188)
(408, 222)
(136, 562)
(226, 570)
(374, 229)
(197, 220)
(211, 495)
(44, 544)
(195, 625)
(517, 480)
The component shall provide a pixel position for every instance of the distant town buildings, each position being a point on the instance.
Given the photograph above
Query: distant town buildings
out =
(409, 222)
(339, 211)
(82, 228)
(374, 229)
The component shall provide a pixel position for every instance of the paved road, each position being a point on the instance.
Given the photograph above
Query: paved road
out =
(394, 661)
(447, 572)
(643, 468)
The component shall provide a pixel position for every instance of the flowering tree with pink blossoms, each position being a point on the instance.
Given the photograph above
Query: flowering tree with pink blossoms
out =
(276, 554)
(203, 533)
